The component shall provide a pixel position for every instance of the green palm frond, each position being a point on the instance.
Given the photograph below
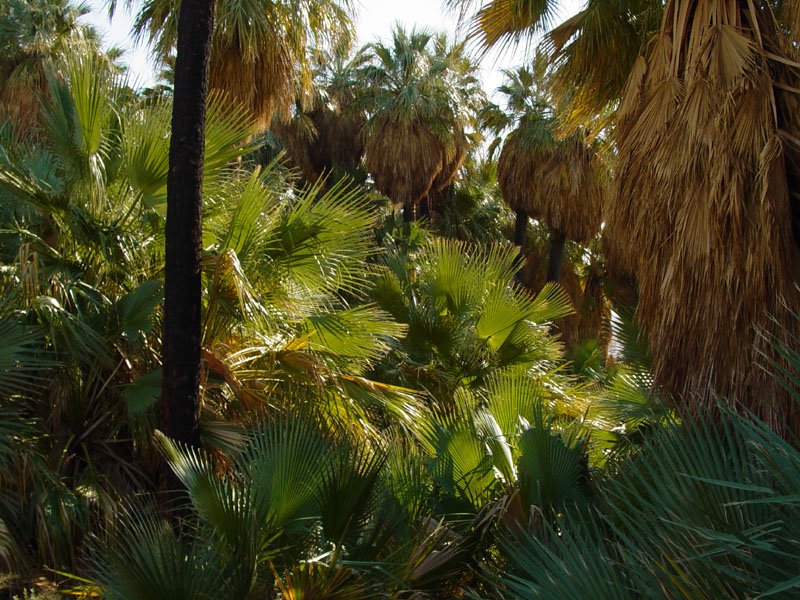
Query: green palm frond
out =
(70, 335)
(361, 334)
(245, 228)
(573, 564)
(23, 360)
(512, 401)
(552, 472)
(149, 560)
(283, 467)
(707, 508)
(315, 580)
(33, 179)
(319, 245)
(133, 312)
(82, 124)
(229, 136)
(145, 143)
(347, 494)
(142, 394)
(460, 465)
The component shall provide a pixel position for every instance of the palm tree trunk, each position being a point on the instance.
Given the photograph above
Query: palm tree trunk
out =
(425, 208)
(182, 292)
(520, 229)
(408, 212)
(557, 240)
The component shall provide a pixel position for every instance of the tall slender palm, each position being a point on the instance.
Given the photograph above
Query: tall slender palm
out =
(180, 396)
(544, 175)
(419, 99)
(259, 50)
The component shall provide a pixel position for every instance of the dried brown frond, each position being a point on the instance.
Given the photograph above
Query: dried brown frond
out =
(452, 163)
(594, 312)
(321, 140)
(516, 170)
(707, 167)
(339, 141)
(620, 278)
(297, 143)
(559, 185)
(20, 99)
(263, 82)
(404, 158)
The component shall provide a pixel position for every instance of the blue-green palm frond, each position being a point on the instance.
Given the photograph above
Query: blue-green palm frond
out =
(148, 560)
(552, 469)
(23, 360)
(574, 563)
(283, 467)
(348, 492)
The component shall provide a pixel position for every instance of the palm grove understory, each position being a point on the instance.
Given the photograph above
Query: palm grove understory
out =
(314, 321)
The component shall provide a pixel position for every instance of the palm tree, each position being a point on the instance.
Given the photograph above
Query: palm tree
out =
(419, 99)
(705, 112)
(706, 193)
(259, 51)
(467, 320)
(542, 173)
(180, 351)
(34, 34)
(591, 53)
(325, 136)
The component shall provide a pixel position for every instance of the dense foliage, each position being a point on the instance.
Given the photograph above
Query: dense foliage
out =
(389, 408)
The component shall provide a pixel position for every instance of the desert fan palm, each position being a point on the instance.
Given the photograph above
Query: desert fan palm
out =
(706, 193)
(419, 99)
(34, 36)
(542, 173)
(325, 136)
(259, 50)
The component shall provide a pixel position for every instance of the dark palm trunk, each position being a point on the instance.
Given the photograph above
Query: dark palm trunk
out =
(556, 259)
(425, 208)
(182, 300)
(408, 212)
(520, 229)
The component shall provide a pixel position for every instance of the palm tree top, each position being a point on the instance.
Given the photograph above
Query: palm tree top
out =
(590, 53)
(260, 50)
(420, 77)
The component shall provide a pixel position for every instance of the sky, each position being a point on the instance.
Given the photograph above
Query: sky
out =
(375, 20)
